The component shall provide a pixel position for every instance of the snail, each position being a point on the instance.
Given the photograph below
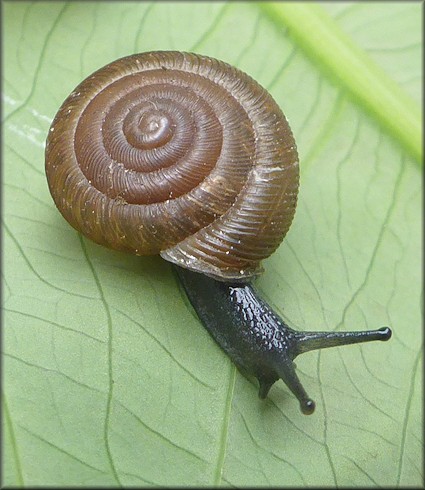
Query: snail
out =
(185, 156)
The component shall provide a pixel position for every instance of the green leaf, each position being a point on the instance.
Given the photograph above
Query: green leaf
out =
(109, 377)
(326, 43)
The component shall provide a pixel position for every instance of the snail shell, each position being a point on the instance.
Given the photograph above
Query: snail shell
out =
(186, 156)
(176, 154)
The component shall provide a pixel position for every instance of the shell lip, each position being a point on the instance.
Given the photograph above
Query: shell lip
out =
(224, 274)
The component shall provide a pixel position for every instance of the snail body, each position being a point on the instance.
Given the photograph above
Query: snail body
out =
(184, 156)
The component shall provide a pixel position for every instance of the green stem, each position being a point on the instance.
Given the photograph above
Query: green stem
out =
(328, 45)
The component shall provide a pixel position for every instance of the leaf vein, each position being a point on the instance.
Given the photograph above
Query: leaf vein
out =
(53, 371)
(362, 470)
(207, 32)
(158, 342)
(54, 324)
(159, 434)
(225, 427)
(109, 361)
(406, 415)
(33, 270)
(58, 448)
(270, 451)
(9, 422)
(40, 62)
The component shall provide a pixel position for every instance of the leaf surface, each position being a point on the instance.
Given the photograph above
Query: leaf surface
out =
(109, 377)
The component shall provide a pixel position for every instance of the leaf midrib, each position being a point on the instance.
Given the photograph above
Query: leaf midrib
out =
(336, 53)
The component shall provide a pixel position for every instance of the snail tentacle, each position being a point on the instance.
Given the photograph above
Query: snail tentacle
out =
(185, 156)
(258, 341)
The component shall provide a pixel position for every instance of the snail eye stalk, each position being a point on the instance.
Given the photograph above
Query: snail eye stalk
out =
(185, 156)
(258, 341)
(308, 341)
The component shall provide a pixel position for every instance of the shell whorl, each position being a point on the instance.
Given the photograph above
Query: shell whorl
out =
(177, 154)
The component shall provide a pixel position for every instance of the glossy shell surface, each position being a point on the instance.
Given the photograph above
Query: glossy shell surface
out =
(176, 154)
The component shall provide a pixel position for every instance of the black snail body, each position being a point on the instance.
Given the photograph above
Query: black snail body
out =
(184, 156)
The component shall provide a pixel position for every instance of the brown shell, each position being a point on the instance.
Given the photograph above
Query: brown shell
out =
(176, 154)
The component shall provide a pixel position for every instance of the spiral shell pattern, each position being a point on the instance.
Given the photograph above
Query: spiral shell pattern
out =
(176, 154)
